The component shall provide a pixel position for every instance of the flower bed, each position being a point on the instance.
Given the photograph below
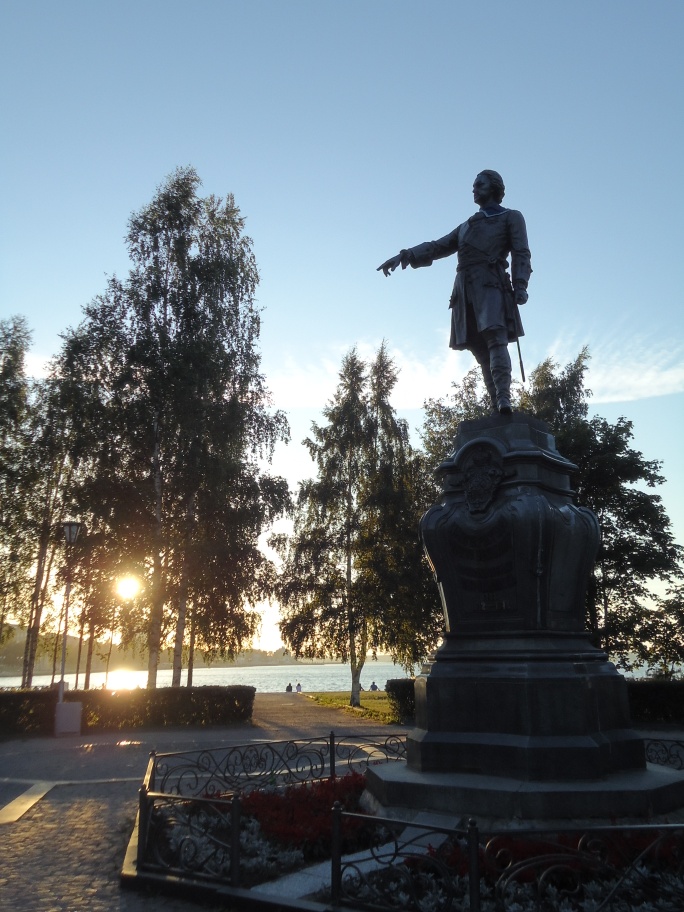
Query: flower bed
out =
(602, 870)
(299, 817)
(278, 831)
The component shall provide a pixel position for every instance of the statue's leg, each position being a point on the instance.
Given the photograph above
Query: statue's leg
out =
(478, 348)
(500, 366)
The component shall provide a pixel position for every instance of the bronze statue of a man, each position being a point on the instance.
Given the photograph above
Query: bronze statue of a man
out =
(484, 302)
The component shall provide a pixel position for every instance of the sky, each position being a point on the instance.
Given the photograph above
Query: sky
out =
(346, 131)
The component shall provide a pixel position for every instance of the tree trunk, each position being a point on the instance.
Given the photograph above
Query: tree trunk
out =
(592, 611)
(604, 592)
(44, 559)
(109, 656)
(183, 598)
(158, 594)
(356, 669)
(33, 630)
(55, 649)
(191, 650)
(356, 665)
(89, 654)
(3, 614)
(81, 629)
(357, 662)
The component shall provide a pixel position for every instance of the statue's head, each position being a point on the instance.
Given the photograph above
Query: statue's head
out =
(496, 183)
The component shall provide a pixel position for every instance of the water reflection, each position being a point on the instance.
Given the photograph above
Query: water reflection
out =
(266, 678)
(126, 679)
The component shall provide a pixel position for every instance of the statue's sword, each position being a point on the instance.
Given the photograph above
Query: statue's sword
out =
(522, 369)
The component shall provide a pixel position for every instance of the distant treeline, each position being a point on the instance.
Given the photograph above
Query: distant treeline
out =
(12, 651)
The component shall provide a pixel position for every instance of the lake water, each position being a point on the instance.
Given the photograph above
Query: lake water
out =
(266, 678)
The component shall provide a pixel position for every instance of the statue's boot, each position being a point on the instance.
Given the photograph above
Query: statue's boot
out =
(483, 357)
(489, 383)
(500, 366)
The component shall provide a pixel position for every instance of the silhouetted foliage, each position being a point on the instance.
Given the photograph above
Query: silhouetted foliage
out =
(354, 578)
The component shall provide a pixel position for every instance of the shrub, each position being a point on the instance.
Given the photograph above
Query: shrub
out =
(33, 711)
(401, 698)
(27, 712)
(656, 701)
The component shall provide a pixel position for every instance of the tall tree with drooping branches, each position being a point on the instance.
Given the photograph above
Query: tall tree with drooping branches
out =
(176, 417)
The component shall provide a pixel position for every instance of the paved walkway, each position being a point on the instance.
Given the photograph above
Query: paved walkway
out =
(64, 853)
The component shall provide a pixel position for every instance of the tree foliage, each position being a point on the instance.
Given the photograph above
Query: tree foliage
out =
(163, 376)
(354, 579)
(613, 479)
(15, 406)
(617, 483)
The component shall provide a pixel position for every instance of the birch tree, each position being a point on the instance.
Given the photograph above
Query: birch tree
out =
(343, 586)
(176, 415)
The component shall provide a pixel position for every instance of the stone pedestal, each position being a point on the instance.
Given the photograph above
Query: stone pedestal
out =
(517, 701)
(530, 707)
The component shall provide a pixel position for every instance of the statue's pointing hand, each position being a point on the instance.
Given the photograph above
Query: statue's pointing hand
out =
(401, 259)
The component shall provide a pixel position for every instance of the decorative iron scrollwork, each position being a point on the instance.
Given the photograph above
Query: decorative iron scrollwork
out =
(665, 752)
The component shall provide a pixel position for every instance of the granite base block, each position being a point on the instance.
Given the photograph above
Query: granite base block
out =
(638, 794)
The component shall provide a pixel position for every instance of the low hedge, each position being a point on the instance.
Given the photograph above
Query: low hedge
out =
(33, 711)
(656, 701)
(401, 698)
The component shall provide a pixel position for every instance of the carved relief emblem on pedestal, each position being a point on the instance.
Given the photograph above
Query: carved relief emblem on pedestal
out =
(482, 471)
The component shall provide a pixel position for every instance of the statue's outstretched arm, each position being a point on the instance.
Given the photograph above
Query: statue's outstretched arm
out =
(401, 259)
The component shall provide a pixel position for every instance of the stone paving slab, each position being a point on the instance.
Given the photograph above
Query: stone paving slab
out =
(23, 803)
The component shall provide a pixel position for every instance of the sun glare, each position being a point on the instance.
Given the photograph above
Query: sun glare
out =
(125, 679)
(127, 587)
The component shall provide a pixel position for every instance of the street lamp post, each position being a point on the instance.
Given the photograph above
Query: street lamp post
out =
(64, 723)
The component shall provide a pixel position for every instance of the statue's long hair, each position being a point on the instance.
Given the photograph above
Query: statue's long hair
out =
(497, 183)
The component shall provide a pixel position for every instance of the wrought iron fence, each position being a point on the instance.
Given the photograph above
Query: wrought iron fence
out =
(186, 796)
(665, 752)
(192, 826)
(239, 768)
(599, 869)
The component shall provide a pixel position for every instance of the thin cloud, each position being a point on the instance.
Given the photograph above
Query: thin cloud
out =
(637, 370)
(312, 384)
(627, 368)
(304, 384)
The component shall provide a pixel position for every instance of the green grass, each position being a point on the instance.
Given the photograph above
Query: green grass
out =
(374, 704)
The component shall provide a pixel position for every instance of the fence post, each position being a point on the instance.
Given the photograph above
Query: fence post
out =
(474, 865)
(332, 754)
(152, 769)
(143, 824)
(336, 855)
(235, 810)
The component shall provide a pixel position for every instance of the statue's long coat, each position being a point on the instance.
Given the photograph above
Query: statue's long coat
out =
(483, 285)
